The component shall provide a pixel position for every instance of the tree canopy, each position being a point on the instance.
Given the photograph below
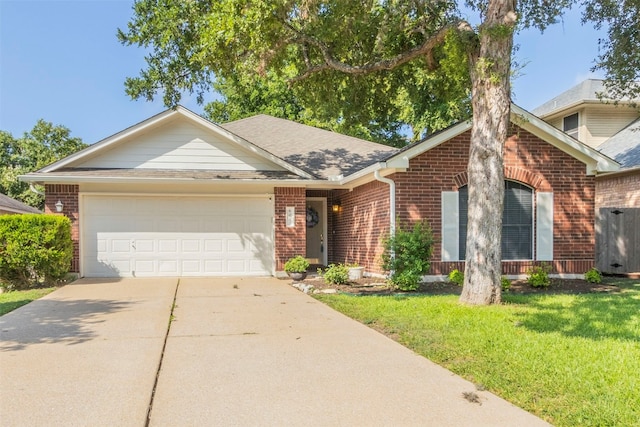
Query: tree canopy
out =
(43, 145)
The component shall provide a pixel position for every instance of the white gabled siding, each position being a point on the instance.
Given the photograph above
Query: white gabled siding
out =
(602, 124)
(450, 226)
(180, 145)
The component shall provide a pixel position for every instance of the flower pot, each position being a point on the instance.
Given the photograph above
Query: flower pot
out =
(355, 273)
(297, 275)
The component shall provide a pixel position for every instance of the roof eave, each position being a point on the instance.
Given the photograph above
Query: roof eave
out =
(75, 179)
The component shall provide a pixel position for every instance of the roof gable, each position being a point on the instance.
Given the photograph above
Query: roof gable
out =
(594, 161)
(175, 139)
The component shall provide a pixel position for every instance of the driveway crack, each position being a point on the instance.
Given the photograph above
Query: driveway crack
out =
(164, 346)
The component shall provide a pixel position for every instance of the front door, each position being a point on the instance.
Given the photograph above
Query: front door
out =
(317, 230)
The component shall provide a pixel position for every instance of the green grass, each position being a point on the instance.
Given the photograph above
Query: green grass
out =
(570, 359)
(9, 301)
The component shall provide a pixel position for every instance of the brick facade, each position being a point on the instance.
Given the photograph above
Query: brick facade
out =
(620, 190)
(289, 241)
(68, 195)
(527, 158)
(361, 223)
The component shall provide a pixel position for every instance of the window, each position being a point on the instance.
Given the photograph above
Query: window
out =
(517, 221)
(570, 125)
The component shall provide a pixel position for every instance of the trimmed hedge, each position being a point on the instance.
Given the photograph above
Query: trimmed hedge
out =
(34, 250)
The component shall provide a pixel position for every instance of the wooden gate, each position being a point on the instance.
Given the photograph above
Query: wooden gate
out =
(618, 240)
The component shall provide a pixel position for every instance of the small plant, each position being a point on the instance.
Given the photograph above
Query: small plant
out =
(506, 284)
(336, 274)
(593, 276)
(456, 276)
(538, 276)
(297, 264)
(407, 255)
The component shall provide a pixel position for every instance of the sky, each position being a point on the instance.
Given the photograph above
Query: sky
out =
(61, 61)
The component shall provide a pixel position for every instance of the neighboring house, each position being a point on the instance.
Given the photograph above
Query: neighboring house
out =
(582, 114)
(614, 130)
(177, 195)
(9, 206)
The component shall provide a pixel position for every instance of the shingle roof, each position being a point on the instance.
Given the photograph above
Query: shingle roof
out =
(585, 91)
(624, 146)
(322, 153)
(13, 205)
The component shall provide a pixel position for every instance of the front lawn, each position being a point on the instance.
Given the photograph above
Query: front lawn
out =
(570, 359)
(9, 301)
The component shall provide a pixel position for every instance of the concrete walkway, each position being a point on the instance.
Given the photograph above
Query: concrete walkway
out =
(239, 352)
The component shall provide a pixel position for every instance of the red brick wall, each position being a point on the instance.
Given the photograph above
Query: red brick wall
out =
(619, 190)
(289, 242)
(528, 159)
(362, 221)
(68, 195)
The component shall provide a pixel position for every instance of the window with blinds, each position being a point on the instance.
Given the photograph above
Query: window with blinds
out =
(517, 221)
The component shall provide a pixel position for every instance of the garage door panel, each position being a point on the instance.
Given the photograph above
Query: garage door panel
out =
(168, 267)
(213, 246)
(176, 236)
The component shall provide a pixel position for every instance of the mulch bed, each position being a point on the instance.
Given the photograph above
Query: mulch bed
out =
(378, 286)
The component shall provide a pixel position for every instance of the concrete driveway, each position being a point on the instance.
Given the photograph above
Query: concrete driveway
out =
(235, 352)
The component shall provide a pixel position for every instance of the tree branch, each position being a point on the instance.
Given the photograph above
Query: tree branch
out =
(331, 63)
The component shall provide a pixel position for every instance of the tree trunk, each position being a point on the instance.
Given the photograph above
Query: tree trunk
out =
(490, 77)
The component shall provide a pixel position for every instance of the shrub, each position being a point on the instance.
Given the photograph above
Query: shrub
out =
(538, 276)
(34, 249)
(336, 274)
(297, 264)
(593, 276)
(456, 276)
(506, 284)
(407, 255)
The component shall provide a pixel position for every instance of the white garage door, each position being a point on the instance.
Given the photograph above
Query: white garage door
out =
(176, 236)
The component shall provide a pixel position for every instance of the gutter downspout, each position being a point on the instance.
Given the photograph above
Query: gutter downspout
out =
(392, 200)
(35, 190)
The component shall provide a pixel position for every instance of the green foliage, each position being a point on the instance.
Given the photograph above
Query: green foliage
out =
(34, 249)
(505, 283)
(618, 55)
(538, 276)
(456, 276)
(297, 264)
(232, 45)
(336, 274)
(593, 276)
(43, 145)
(407, 255)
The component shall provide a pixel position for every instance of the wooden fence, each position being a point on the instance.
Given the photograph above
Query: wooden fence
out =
(618, 240)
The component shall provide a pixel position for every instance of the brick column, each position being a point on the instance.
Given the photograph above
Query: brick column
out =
(290, 241)
(68, 195)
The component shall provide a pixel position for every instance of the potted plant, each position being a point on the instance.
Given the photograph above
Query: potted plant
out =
(296, 267)
(355, 271)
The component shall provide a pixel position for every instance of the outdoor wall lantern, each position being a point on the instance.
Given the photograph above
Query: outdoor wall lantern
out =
(59, 206)
(335, 207)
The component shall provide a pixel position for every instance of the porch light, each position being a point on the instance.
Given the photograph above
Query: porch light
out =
(59, 206)
(335, 208)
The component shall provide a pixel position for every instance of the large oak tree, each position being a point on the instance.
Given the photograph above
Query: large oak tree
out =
(378, 63)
